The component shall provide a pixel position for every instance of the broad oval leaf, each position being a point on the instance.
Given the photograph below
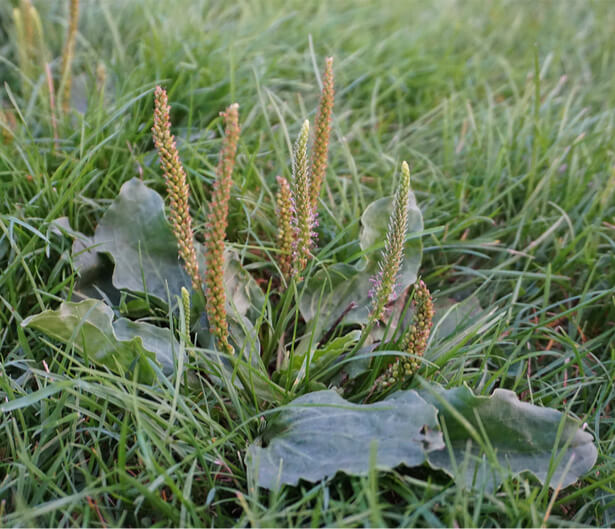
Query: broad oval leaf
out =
(524, 437)
(135, 232)
(121, 345)
(330, 291)
(243, 295)
(375, 222)
(320, 434)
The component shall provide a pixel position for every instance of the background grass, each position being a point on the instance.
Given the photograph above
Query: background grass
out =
(506, 112)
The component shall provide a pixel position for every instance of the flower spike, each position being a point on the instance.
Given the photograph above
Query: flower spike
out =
(322, 130)
(304, 211)
(390, 261)
(215, 232)
(176, 183)
(414, 340)
(285, 210)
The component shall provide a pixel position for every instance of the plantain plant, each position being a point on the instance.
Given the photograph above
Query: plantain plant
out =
(327, 348)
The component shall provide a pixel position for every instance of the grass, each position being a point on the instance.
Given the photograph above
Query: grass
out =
(506, 112)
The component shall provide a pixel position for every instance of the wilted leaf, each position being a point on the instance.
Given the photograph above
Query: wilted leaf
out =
(523, 437)
(121, 345)
(320, 434)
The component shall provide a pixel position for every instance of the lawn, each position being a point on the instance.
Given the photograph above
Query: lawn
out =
(505, 113)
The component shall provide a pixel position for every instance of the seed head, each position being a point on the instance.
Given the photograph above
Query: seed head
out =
(322, 130)
(285, 210)
(390, 261)
(68, 52)
(186, 307)
(178, 191)
(215, 232)
(305, 213)
(414, 340)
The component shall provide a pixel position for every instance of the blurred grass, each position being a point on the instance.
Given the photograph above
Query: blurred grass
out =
(515, 173)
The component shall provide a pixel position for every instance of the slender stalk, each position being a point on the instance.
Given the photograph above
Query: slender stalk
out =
(52, 106)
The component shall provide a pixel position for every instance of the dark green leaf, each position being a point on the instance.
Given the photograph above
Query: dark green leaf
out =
(135, 232)
(320, 434)
(88, 327)
(524, 437)
(335, 288)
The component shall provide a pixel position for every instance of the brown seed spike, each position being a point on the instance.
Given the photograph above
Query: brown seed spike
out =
(215, 232)
(322, 130)
(176, 183)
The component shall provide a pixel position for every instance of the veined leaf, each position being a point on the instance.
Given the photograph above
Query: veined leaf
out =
(135, 233)
(320, 434)
(331, 291)
(524, 437)
(121, 346)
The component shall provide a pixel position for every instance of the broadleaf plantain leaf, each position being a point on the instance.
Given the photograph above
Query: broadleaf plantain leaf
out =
(135, 232)
(88, 326)
(320, 433)
(523, 436)
(331, 291)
